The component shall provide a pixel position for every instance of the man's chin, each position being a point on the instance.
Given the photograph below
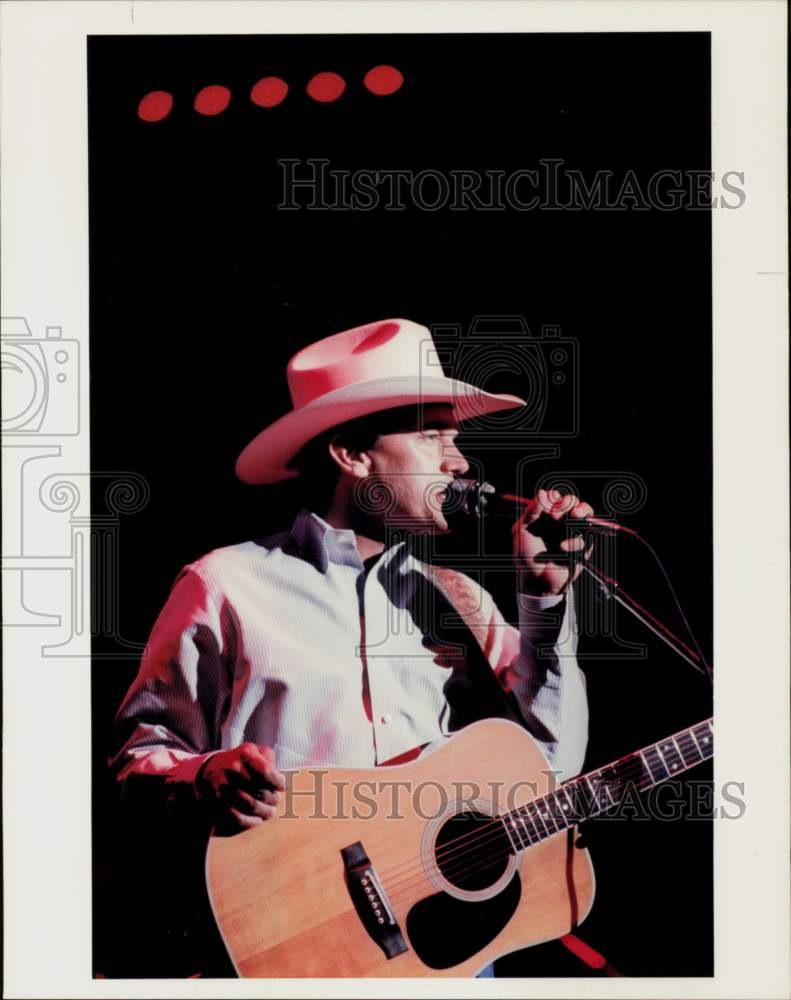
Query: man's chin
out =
(436, 525)
(441, 526)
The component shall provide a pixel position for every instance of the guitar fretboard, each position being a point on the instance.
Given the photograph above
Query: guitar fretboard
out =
(597, 791)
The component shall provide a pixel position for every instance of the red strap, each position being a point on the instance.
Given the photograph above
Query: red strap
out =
(588, 955)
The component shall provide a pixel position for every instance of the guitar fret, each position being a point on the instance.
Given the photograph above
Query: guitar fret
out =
(600, 790)
(602, 796)
(577, 801)
(592, 802)
(671, 756)
(538, 822)
(704, 739)
(567, 807)
(677, 748)
(556, 811)
(655, 763)
(646, 767)
(580, 799)
(524, 832)
(510, 828)
(530, 830)
(688, 748)
(546, 815)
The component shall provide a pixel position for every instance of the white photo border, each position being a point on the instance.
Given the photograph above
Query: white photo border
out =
(46, 700)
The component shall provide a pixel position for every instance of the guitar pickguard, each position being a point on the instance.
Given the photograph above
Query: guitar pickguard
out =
(444, 931)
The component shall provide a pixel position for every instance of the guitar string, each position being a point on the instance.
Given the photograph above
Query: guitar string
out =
(473, 842)
(632, 759)
(492, 860)
(406, 881)
(635, 769)
(646, 781)
(496, 828)
(467, 869)
(629, 768)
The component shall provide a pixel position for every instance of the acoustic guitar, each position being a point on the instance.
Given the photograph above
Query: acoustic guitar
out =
(431, 868)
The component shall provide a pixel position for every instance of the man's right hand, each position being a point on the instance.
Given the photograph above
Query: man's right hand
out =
(242, 785)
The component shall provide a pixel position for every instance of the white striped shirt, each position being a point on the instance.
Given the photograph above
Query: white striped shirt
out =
(289, 643)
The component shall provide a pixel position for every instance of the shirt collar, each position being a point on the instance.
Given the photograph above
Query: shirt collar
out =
(322, 544)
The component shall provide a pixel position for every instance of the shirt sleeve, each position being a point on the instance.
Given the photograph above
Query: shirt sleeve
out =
(538, 663)
(169, 721)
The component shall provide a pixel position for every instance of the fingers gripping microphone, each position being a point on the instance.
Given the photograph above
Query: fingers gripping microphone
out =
(477, 499)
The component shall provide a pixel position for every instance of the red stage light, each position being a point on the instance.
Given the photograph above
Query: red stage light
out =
(325, 87)
(269, 91)
(383, 80)
(212, 100)
(155, 106)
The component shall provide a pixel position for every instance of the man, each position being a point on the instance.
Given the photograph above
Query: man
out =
(323, 645)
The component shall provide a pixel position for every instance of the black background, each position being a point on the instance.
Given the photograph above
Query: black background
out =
(201, 289)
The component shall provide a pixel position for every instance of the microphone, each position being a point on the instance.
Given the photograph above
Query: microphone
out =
(473, 498)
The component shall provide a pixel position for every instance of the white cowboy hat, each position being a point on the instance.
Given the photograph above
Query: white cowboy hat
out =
(354, 373)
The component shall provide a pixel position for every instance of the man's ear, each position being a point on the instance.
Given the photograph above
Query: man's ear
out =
(349, 460)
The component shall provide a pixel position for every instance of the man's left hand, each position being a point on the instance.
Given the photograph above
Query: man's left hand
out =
(538, 574)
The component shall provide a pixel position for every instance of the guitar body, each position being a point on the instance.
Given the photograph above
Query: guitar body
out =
(407, 852)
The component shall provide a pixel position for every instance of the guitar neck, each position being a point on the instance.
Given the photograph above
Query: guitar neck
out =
(599, 790)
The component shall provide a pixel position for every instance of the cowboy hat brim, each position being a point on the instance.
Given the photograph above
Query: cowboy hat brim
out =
(266, 457)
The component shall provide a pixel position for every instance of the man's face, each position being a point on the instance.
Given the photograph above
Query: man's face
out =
(410, 469)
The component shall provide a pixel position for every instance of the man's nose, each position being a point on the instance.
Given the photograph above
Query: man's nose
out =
(453, 461)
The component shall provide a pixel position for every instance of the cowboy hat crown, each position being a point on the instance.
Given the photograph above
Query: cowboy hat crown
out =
(352, 374)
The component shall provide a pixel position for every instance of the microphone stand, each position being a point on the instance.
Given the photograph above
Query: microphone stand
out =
(612, 590)
(474, 498)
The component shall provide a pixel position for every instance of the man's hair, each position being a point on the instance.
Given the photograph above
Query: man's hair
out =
(320, 473)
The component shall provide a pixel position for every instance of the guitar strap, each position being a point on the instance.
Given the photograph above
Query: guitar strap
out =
(473, 692)
(446, 607)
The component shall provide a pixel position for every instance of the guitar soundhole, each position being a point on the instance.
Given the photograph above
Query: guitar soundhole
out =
(472, 851)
